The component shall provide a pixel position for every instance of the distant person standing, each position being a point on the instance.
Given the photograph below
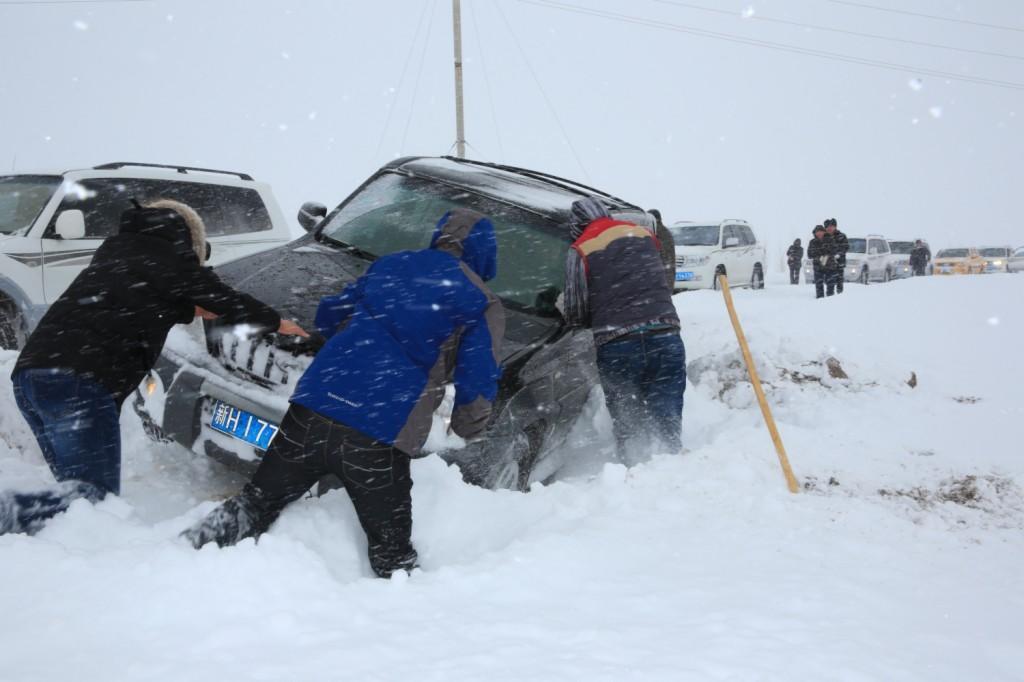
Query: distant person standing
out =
(795, 256)
(615, 285)
(821, 251)
(841, 245)
(919, 258)
(667, 248)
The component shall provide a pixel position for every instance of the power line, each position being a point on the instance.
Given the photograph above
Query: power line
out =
(401, 78)
(536, 80)
(419, 77)
(781, 47)
(487, 80)
(68, 2)
(864, 5)
(832, 29)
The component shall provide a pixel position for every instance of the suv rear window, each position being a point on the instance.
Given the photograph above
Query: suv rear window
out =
(22, 198)
(225, 210)
(395, 212)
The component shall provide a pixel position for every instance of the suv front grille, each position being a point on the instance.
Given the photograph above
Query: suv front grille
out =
(257, 359)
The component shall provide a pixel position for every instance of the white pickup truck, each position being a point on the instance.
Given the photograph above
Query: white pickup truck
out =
(51, 223)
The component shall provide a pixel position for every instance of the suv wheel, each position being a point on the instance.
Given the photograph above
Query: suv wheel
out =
(757, 279)
(12, 327)
(864, 276)
(720, 270)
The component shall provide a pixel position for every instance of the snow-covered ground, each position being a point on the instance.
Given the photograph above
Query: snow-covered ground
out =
(901, 559)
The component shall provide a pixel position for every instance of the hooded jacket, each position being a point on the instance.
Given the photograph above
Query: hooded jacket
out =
(795, 254)
(823, 247)
(414, 322)
(615, 281)
(111, 323)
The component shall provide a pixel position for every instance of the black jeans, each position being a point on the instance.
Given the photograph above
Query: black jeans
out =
(794, 274)
(839, 276)
(309, 446)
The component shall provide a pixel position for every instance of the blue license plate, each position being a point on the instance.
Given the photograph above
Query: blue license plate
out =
(242, 425)
(684, 276)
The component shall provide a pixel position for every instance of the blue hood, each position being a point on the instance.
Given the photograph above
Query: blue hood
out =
(468, 235)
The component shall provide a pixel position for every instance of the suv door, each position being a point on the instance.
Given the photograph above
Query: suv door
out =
(876, 259)
(749, 242)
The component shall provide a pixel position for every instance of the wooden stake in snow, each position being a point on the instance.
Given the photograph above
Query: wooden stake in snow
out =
(758, 390)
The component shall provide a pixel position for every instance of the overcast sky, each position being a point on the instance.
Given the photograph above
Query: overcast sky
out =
(310, 96)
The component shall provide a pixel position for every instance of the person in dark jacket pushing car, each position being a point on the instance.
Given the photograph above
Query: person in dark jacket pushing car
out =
(414, 322)
(98, 341)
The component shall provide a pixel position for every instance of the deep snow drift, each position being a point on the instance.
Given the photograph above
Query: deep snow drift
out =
(900, 560)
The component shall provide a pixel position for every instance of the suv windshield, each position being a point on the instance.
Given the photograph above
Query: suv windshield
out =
(22, 197)
(695, 235)
(396, 212)
(903, 248)
(858, 245)
(995, 253)
(952, 253)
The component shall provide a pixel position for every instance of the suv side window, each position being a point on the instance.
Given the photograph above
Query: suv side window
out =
(224, 210)
(875, 245)
(730, 232)
(747, 237)
(1019, 252)
(395, 212)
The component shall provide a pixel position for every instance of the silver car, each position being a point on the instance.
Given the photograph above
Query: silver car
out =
(1016, 262)
(997, 258)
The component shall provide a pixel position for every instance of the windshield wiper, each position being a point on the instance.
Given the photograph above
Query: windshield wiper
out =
(354, 250)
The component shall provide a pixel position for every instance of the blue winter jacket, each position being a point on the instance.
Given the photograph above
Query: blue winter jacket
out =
(414, 322)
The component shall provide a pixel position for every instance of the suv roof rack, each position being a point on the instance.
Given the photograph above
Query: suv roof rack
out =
(181, 169)
(570, 185)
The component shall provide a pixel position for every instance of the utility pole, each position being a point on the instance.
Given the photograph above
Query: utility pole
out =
(460, 132)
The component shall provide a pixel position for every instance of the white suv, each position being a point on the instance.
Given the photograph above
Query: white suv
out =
(51, 223)
(869, 259)
(704, 249)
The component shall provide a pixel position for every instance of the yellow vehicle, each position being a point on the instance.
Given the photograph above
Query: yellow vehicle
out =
(959, 262)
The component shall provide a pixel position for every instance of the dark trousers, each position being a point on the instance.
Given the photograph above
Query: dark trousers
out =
(919, 271)
(644, 378)
(75, 421)
(308, 447)
(839, 276)
(825, 282)
(794, 273)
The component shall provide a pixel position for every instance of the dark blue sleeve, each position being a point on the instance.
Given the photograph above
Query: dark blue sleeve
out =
(334, 311)
(477, 370)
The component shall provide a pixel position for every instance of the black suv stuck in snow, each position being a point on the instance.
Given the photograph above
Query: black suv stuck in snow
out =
(222, 393)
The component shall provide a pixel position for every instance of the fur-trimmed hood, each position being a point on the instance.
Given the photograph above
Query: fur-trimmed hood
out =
(195, 224)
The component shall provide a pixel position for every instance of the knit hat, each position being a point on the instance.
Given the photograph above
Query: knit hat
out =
(583, 212)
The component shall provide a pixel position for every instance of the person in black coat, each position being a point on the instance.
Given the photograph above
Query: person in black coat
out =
(795, 256)
(667, 248)
(919, 257)
(98, 341)
(841, 245)
(821, 251)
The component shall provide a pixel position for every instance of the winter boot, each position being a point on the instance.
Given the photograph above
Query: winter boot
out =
(28, 512)
(243, 516)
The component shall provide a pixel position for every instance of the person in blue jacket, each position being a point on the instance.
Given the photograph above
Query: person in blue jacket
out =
(414, 322)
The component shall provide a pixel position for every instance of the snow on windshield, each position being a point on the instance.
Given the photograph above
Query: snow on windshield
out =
(695, 235)
(22, 197)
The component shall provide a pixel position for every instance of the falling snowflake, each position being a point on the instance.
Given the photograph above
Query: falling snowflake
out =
(80, 25)
(285, 55)
(312, 116)
(936, 112)
(748, 12)
(282, 127)
(993, 321)
(915, 121)
(915, 84)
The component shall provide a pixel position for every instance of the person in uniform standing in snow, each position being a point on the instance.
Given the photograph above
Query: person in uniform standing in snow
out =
(414, 322)
(919, 257)
(100, 338)
(840, 245)
(615, 285)
(821, 251)
(795, 257)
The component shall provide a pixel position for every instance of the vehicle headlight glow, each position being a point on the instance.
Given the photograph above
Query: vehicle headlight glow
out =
(997, 262)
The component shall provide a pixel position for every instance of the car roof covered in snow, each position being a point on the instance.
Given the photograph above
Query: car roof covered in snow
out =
(544, 193)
